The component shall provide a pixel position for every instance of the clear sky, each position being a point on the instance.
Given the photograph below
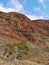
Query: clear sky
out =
(34, 9)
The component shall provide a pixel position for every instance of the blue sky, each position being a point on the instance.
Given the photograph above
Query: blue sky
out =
(34, 9)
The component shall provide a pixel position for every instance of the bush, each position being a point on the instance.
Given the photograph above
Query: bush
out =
(19, 56)
(23, 46)
(9, 49)
(16, 49)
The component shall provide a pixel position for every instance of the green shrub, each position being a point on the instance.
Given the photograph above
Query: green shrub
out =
(19, 56)
(9, 49)
(23, 48)
(16, 49)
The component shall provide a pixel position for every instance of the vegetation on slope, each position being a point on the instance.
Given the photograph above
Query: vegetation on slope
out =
(16, 50)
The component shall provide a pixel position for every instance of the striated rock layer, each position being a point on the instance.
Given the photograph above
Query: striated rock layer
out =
(19, 27)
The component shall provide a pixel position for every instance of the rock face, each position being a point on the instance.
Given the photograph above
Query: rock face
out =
(16, 27)
(19, 27)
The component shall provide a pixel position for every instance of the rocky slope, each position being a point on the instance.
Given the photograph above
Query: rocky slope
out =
(16, 27)
(19, 27)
